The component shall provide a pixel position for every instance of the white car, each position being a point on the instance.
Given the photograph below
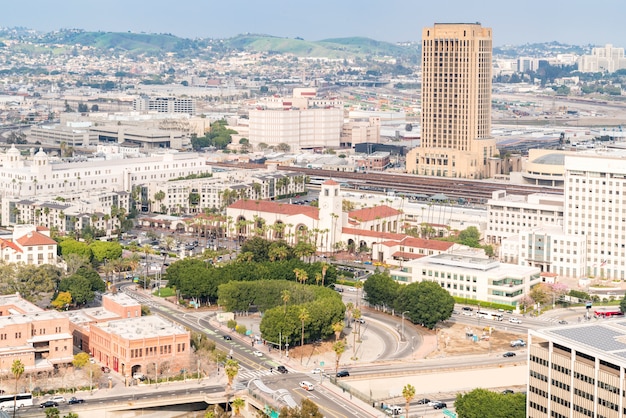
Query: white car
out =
(58, 399)
(467, 313)
(257, 353)
(515, 320)
(317, 370)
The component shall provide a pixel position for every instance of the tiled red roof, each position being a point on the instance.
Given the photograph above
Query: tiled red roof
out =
(9, 244)
(375, 234)
(408, 256)
(35, 238)
(286, 209)
(371, 214)
(330, 182)
(430, 244)
(41, 228)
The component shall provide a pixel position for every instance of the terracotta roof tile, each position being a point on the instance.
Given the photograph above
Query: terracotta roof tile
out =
(430, 244)
(9, 244)
(408, 256)
(277, 208)
(376, 234)
(330, 182)
(371, 214)
(35, 238)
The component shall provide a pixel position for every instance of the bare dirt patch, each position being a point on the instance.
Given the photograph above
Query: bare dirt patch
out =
(459, 339)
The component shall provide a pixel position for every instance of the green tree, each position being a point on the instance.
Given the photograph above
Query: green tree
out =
(71, 246)
(481, 403)
(79, 287)
(238, 404)
(308, 409)
(408, 393)
(303, 316)
(102, 250)
(427, 303)
(31, 281)
(381, 289)
(95, 281)
(17, 370)
(470, 237)
(53, 413)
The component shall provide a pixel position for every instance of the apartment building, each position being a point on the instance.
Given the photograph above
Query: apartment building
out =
(602, 59)
(509, 214)
(577, 371)
(456, 103)
(39, 339)
(29, 244)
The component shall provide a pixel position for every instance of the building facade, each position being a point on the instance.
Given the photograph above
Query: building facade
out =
(456, 102)
(577, 371)
(165, 105)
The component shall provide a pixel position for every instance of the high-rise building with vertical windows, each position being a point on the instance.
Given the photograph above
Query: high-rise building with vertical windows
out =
(456, 102)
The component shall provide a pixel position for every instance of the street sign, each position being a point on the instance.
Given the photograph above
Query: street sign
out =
(321, 364)
(449, 413)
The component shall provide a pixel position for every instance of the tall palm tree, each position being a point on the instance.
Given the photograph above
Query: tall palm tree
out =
(285, 296)
(339, 348)
(408, 392)
(238, 405)
(231, 369)
(303, 316)
(337, 328)
(301, 275)
(17, 370)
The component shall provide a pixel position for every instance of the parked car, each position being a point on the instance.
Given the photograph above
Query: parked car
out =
(508, 354)
(105, 369)
(74, 400)
(282, 369)
(58, 399)
(48, 404)
(343, 373)
(440, 405)
(507, 392)
(518, 343)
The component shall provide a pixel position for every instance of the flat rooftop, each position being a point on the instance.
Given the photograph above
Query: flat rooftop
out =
(122, 298)
(21, 304)
(602, 338)
(142, 327)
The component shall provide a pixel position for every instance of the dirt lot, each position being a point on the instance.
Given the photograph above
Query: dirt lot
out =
(486, 337)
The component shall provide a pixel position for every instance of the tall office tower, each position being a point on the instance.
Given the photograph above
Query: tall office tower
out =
(456, 102)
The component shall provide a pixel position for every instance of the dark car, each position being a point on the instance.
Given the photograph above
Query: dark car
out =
(227, 337)
(563, 322)
(105, 369)
(439, 405)
(48, 404)
(343, 373)
(424, 401)
(508, 354)
(282, 369)
(507, 392)
(467, 308)
(74, 400)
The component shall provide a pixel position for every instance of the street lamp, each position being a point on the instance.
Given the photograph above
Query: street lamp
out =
(402, 335)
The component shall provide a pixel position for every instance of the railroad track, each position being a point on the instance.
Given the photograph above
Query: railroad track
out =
(477, 191)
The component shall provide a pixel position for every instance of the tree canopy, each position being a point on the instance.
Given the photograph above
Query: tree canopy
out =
(426, 302)
(481, 403)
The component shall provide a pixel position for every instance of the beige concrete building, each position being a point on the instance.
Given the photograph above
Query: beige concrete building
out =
(456, 102)
(577, 370)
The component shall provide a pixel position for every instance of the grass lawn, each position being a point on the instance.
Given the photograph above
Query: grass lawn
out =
(165, 292)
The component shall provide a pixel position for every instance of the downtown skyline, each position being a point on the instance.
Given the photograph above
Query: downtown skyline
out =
(572, 22)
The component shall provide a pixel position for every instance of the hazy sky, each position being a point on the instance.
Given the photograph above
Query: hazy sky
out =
(513, 22)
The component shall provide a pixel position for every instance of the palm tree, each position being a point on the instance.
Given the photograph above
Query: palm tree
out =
(238, 405)
(17, 370)
(301, 275)
(339, 347)
(303, 316)
(285, 295)
(324, 270)
(408, 392)
(231, 369)
(318, 278)
(337, 328)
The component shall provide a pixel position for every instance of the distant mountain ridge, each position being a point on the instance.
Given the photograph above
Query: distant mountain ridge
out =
(165, 43)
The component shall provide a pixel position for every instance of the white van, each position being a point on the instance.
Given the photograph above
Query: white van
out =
(306, 385)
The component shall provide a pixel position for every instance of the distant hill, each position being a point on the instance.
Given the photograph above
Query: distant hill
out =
(330, 48)
(142, 43)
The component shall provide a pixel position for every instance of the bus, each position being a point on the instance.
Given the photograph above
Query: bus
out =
(607, 312)
(490, 315)
(23, 399)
